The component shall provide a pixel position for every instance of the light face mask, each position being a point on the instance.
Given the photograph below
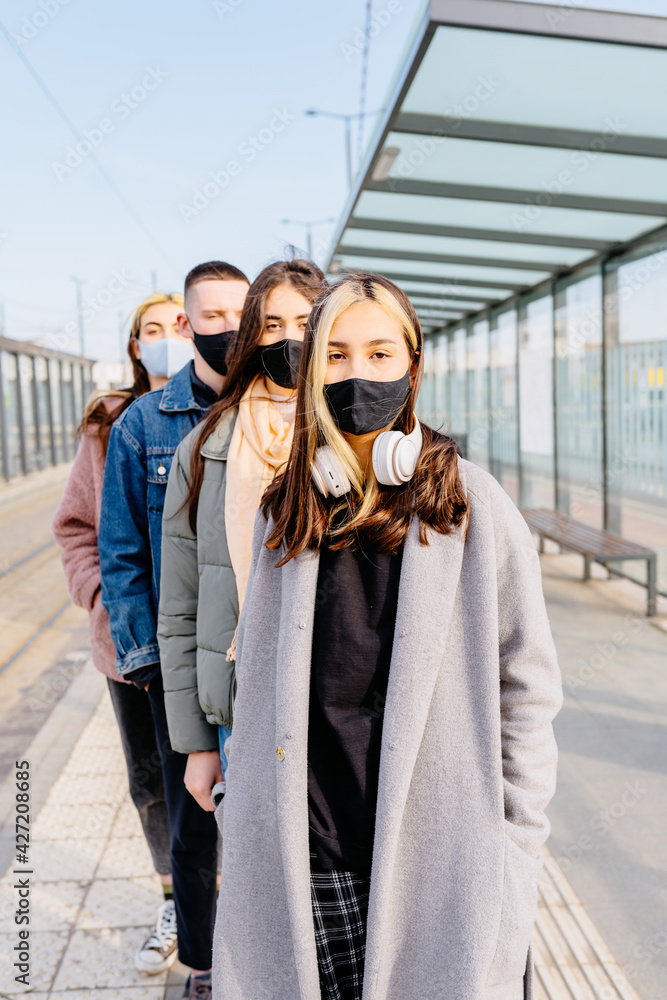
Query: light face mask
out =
(281, 361)
(213, 348)
(360, 406)
(163, 358)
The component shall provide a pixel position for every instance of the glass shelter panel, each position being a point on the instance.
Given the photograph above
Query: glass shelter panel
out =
(43, 411)
(426, 391)
(487, 70)
(26, 375)
(441, 383)
(478, 393)
(67, 404)
(457, 422)
(636, 366)
(11, 412)
(57, 410)
(536, 403)
(579, 436)
(504, 427)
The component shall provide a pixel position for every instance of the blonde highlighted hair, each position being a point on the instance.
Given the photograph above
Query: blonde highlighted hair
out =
(302, 517)
(357, 288)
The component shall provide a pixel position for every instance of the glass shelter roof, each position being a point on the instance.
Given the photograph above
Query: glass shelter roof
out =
(520, 141)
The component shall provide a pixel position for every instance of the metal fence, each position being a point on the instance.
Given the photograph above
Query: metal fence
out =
(42, 394)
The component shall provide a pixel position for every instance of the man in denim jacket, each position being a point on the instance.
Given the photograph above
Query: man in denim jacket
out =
(141, 446)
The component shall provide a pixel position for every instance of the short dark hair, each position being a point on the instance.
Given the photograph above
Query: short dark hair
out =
(213, 270)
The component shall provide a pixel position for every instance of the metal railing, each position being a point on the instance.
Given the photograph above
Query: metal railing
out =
(42, 395)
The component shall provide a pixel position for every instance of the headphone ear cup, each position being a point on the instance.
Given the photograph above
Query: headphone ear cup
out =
(384, 448)
(328, 474)
(395, 455)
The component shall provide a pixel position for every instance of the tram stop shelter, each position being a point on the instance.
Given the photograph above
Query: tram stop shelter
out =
(521, 141)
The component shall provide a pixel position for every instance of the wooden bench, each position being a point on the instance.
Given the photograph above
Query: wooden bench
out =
(594, 545)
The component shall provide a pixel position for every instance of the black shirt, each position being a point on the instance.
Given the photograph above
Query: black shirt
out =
(355, 615)
(203, 393)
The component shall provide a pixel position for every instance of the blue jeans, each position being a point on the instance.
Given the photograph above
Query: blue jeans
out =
(224, 732)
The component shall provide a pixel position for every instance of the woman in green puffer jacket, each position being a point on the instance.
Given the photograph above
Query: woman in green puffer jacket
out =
(219, 473)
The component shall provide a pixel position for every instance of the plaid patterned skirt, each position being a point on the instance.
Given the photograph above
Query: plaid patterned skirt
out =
(340, 911)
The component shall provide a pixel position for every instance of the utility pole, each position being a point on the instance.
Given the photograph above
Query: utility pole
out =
(79, 314)
(121, 337)
(348, 119)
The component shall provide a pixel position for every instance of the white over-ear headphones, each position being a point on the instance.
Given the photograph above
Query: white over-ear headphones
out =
(395, 457)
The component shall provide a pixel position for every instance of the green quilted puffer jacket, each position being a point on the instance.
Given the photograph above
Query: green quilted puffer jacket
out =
(198, 599)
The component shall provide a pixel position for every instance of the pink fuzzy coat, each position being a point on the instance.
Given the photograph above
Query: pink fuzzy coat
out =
(75, 526)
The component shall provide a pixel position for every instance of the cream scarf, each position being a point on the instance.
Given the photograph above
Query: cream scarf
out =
(259, 447)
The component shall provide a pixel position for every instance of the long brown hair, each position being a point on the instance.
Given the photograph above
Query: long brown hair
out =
(96, 412)
(381, 515)
(242, 364)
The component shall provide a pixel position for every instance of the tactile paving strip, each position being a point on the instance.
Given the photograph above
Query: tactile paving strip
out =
(572, 961)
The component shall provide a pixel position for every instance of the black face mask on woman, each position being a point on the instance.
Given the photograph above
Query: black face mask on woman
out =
(360, 406)
(281, 362)
(213, 348)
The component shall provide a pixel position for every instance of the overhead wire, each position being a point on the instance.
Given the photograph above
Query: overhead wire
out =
(62, 114)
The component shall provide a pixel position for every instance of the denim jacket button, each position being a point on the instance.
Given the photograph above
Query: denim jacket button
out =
(161, 470)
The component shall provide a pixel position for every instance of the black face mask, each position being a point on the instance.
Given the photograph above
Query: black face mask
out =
(359, 406)
(213, 348)
(281, 362)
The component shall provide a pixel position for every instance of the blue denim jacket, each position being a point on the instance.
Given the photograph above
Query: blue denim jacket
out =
(142, 444)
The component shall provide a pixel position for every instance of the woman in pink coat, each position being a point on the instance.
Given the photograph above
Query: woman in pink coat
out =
(157, 351)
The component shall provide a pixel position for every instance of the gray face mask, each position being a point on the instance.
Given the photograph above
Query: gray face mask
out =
(163, 358)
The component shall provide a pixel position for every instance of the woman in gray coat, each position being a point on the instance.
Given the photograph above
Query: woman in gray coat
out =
(392, 754)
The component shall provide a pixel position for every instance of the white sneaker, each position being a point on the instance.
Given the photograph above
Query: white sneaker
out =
(159, 949)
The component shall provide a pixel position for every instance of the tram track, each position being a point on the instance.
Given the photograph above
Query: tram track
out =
(26, 559)
(38, 631)
(43, 636)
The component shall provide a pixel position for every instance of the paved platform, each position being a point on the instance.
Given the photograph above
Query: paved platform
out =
(602, 924)
(609, 815)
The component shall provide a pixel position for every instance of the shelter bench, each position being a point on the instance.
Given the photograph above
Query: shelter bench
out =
(593, 544)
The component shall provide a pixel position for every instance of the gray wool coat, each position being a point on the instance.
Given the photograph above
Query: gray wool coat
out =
(468, 766)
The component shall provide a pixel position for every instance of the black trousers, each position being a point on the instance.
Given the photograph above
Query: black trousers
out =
(193, 836)
(144, 768)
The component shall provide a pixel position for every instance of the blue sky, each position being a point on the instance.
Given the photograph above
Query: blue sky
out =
(171, 93)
